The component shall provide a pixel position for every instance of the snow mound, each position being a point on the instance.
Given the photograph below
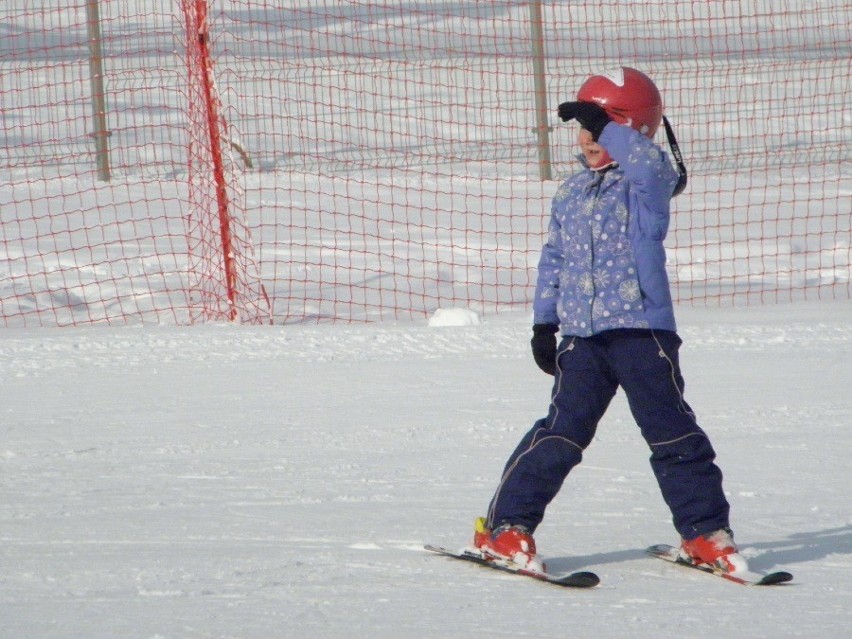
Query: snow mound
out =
(454, 317)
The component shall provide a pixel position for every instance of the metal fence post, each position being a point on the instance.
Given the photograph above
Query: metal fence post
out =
(96, 81)
(541, 124)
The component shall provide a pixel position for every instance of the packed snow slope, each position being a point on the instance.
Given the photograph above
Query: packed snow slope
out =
(262, 482)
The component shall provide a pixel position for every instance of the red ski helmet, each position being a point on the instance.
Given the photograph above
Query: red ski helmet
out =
(628, 96)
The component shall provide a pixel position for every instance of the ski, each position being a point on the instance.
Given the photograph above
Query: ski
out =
(670, 554)
(581, 579)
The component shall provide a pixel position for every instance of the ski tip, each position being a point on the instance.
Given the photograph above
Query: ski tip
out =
(774, 579)
(659, 549)
(582, 579)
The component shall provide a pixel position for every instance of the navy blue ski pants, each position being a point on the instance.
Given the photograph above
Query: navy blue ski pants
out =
(644, 363)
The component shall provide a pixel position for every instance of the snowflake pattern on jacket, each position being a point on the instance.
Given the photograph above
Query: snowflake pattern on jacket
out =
(603, 265)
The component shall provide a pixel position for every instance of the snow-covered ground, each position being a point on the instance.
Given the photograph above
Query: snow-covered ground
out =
(279, 482)
(257, 482)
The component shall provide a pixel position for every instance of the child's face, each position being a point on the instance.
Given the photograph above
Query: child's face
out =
(596, 156)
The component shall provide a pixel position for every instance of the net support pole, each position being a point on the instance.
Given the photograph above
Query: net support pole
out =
(542, 129)
(96, 81)
(213, 119)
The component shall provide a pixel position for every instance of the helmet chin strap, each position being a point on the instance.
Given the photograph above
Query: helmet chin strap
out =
(681, 167)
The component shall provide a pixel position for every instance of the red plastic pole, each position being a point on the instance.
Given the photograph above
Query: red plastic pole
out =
(213, 122)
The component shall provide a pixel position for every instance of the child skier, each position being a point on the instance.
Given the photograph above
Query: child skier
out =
(602, 284)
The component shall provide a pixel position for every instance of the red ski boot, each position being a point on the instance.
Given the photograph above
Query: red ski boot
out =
(716, 549)
(509, 543)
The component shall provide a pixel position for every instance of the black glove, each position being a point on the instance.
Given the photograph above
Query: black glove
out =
(591, 116)
(543, 344)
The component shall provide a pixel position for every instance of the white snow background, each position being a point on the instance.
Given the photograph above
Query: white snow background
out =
(266, 482)
(256, 482)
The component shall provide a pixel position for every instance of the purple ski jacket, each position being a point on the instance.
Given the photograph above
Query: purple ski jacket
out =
(604, 266)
